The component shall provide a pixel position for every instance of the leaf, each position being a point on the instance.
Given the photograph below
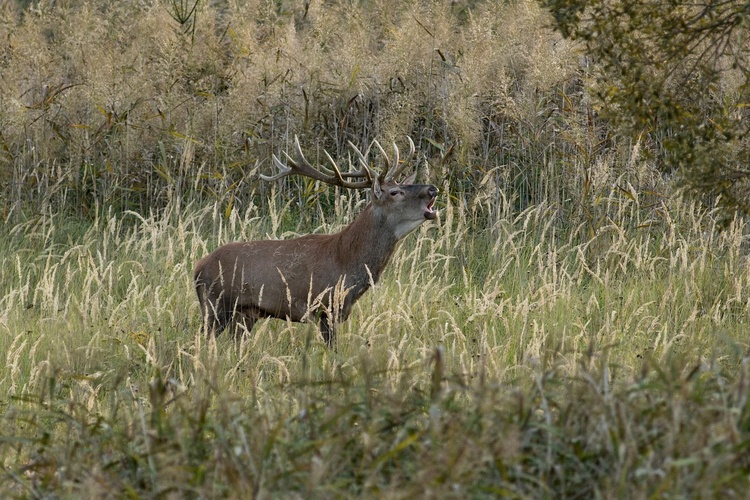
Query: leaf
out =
(353, 78)
(438, 145)
(228, 210)
(405, 443)
(626, 193)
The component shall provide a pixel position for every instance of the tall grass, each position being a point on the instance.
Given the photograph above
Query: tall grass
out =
(520, 360)
(567, 328)
(115, 105)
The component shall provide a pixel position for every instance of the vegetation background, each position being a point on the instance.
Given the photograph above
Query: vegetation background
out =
(571, 327)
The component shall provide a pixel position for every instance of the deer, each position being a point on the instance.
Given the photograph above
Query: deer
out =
(316, 276)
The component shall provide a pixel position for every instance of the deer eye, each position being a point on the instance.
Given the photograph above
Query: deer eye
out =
(394, 192)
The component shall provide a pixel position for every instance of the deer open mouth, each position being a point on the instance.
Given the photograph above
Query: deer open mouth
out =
(429, 212)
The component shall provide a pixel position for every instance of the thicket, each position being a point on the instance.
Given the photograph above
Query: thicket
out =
(119, 104)
(677, 74)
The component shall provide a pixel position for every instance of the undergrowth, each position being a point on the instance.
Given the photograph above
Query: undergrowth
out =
(520, 360)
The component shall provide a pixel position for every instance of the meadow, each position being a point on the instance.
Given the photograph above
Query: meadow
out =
(569, 327)
(513, 360)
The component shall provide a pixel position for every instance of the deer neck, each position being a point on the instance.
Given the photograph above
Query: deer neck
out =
(366, 244)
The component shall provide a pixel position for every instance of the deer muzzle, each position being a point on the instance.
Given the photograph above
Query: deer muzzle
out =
(429, 212)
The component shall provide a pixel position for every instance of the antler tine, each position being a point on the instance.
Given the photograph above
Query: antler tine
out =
(400, 167)
(393, 167)
(295, 168)
(304, 168)
(412, 147)
(283, 170)
(364, 170)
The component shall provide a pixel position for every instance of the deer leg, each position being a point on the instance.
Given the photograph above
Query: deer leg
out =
(245, 318)
(215, 318)
(208, 316)
(213, 326)
(216, 314)
(328, 320)
(326, 329)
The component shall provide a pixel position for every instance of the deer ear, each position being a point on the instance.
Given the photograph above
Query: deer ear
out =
(377, 190)
(409, 180)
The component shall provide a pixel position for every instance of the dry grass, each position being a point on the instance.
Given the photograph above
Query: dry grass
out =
(566, 329)
(520, 359)
(116, 105)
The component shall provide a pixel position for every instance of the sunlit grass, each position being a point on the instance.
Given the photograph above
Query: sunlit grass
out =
(485, 362)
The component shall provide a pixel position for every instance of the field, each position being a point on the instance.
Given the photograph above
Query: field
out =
(512, 360)
(569, 327)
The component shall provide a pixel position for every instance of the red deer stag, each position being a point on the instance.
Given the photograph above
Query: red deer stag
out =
(319, 275)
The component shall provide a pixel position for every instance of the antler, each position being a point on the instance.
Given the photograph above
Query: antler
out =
(397, 169)
(335, 177)
(304, 168)
(392, 167)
